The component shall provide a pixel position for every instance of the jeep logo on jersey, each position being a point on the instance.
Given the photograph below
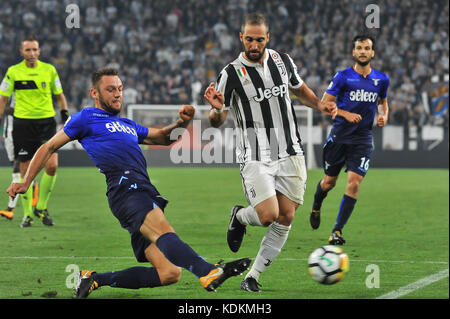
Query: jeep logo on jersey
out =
(117, 127)
(363, 96)
(268, 93)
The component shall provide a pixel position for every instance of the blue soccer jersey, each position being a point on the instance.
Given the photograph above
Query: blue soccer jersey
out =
(356, 94)
(110, 141)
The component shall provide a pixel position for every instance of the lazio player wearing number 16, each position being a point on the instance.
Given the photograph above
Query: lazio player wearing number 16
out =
(357, 91)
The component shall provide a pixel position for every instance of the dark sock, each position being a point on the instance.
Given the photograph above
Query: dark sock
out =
(131, 278)
(345, 210)
(181, 255)
(319, 196)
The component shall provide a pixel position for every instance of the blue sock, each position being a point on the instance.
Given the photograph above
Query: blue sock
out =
(319, 196)
(181, 255)
(131, 278)
(345, 210)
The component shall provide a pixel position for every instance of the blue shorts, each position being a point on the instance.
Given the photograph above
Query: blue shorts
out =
(131, 196)
(356, 157)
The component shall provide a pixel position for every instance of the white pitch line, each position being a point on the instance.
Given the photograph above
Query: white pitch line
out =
(415, 285)
(64, 257)
(279, 259)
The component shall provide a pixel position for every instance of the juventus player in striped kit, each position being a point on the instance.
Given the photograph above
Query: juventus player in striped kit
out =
(255, 89)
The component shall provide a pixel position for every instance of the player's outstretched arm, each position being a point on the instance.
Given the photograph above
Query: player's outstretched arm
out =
(38, 162)
(309, 98)
(217, 115)
(349, 116)
(161, 136)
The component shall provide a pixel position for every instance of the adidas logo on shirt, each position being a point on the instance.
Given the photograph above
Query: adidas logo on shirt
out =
(117, 127)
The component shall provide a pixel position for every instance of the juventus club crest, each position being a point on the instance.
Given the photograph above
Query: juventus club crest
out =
(279, 63)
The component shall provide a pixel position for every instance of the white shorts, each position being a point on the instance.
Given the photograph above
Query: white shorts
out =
(261, 180)
(7, 134)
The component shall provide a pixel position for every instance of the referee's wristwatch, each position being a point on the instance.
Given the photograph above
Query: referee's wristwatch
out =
(64, 116)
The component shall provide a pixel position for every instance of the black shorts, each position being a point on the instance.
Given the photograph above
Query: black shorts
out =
(356, 157)
(131, 196)
(30, 134)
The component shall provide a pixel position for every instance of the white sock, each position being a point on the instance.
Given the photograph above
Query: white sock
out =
(270, 248)
(248, 216)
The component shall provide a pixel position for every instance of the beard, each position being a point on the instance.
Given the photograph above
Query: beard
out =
(257, 57)
(362, 63)
(107, 107)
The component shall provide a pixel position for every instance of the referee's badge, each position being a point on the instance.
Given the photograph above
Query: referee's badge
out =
(44, 85)
(4, 86)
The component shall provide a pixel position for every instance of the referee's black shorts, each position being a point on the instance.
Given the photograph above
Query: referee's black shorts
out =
(30, 134)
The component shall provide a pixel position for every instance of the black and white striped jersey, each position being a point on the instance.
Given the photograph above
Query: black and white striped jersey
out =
(9, 119)
(258, 98)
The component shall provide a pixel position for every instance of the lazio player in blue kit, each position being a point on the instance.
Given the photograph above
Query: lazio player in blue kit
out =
(113, 144)
(357, 91)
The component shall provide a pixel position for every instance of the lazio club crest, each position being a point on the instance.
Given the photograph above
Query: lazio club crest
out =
(375, 81)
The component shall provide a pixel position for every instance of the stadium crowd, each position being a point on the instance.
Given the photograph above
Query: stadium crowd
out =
(169, 51)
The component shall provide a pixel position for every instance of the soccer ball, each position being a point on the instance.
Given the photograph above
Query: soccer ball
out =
(328, 264)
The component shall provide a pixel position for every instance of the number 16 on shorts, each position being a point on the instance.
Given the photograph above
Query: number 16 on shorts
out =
(364, 166)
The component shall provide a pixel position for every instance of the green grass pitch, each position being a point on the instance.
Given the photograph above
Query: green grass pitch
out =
(400, 225)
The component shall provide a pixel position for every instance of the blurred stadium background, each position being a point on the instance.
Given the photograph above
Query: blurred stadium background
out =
(169, 51)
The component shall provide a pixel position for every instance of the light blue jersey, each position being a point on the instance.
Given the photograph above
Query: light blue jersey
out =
(357, 94)
(110, 141)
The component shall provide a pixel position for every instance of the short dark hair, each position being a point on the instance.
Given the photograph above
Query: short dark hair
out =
(254, 19)
(362, 37)
(29, 38)
(97, 75)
